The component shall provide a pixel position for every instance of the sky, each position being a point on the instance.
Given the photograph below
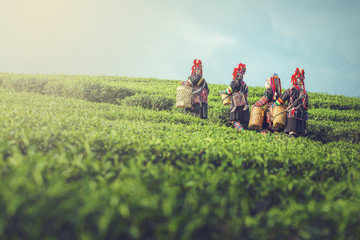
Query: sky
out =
(161, 38)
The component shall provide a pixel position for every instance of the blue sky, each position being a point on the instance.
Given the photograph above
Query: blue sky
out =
(161, 38)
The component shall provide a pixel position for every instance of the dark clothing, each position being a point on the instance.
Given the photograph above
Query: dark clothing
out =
(199, 111)
(269, 94)
(298, 110)
(199, 98)
(239, 86)
(239, 110)
(195, 79)
(295, 125)
(268, 99)
(240, 115)
(296, 116)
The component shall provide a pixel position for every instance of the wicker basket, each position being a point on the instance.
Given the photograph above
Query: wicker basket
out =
(225, 98)
(183, 97)
(279, 116)
(256, 118)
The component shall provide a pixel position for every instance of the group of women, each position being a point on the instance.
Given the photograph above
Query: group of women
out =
(296, 98)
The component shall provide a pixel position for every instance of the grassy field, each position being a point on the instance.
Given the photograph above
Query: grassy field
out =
(85, 157)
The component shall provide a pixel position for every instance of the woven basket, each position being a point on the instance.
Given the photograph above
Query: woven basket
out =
(183, 97)
(225, 98)
(256, 118)
(279, 116)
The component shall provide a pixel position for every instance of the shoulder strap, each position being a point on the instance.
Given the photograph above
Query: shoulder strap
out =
(201, 79)
(199, 88)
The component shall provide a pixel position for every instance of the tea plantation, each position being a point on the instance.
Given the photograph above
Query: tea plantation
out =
(95, 157)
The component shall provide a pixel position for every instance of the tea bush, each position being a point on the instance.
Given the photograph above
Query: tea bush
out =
(75, 168)
(150, 102)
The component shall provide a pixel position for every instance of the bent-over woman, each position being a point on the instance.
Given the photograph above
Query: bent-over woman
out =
(272, 93)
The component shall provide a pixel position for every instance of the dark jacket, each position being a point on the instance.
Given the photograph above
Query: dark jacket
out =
(195, 79)
(298, 111)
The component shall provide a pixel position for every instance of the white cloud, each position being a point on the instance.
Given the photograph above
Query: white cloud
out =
(161, 38)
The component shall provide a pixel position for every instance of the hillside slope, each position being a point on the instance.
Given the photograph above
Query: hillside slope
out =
(111, 157)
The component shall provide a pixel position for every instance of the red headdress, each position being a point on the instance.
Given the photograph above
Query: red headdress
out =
(275, 84)
(197, 64)
(241, 68)
(299, 73)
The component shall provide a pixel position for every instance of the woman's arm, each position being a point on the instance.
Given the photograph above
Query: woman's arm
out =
(264, 100)
(193, 80)
(230, 89)
(283, 98)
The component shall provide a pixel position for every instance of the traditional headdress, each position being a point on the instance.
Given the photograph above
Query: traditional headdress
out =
(275, 83)
(196, 65)
(299, 73)
(240, 68)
